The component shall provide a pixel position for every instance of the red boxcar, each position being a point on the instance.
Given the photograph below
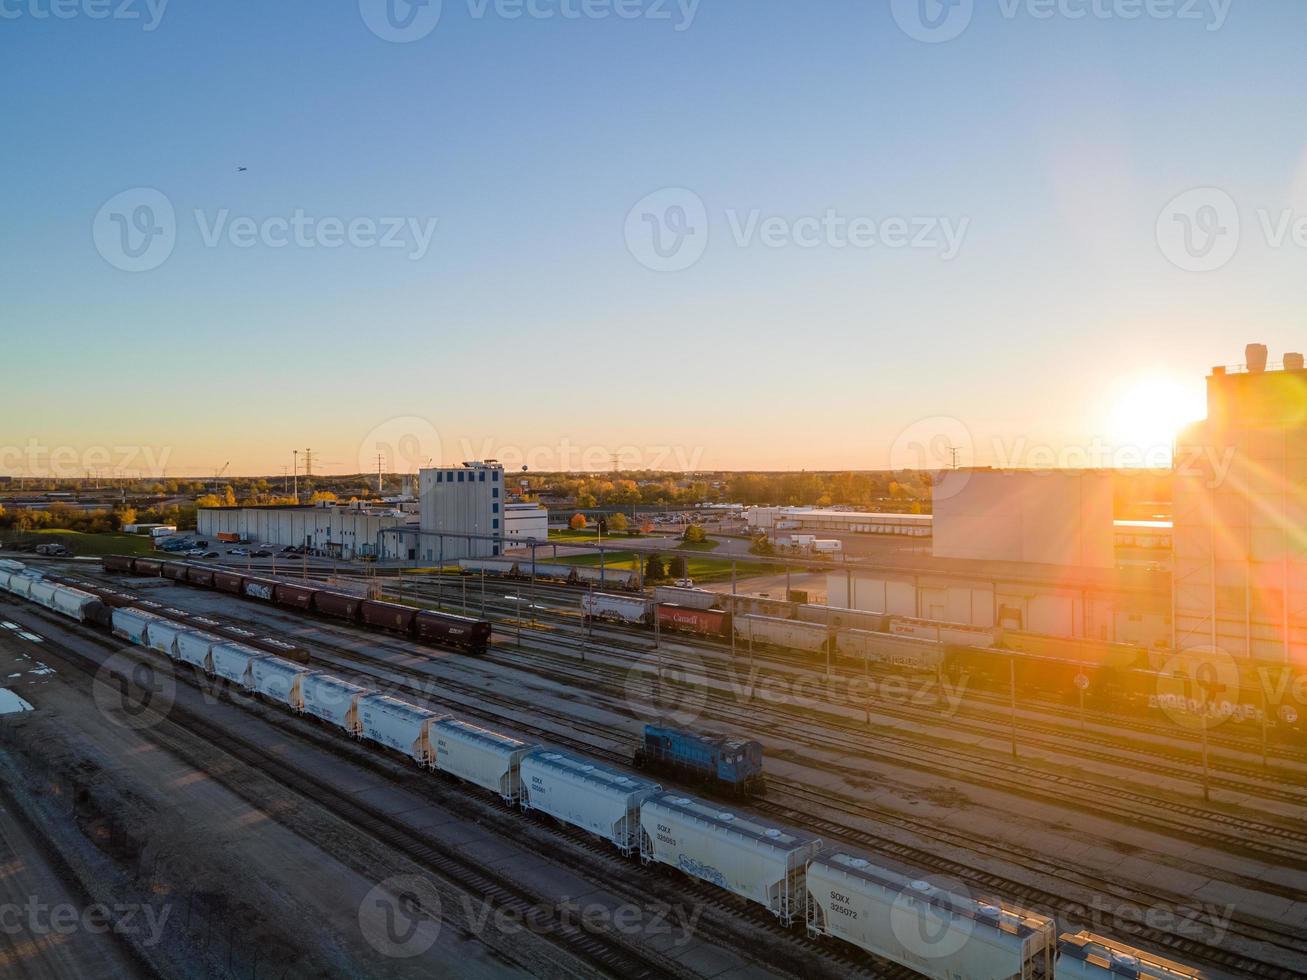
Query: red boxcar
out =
(294, 596)
(707, 622)
(228, 582)
(174, 570)
(337, 604)
(460, 631)
(147, 566)
(388, 615)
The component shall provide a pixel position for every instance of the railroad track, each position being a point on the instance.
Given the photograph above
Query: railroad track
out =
(473, 699)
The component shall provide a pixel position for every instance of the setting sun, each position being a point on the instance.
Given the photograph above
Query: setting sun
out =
(1148, 413)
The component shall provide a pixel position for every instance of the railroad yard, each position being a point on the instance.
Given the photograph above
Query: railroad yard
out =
(252, 837)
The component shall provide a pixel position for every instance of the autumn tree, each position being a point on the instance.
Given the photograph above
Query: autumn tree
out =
(577, 523)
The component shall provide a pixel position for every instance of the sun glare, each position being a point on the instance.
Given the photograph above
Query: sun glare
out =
(1148, 414)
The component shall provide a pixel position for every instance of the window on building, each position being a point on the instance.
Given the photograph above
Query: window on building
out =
(482, 477)
(495, 492)
(460, 477)
(495, 524)
(495, 476)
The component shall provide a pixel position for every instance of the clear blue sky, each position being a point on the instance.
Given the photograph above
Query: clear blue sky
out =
(529, 320)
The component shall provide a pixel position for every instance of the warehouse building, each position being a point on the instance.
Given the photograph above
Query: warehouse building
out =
(1240, 516)
(345, 531)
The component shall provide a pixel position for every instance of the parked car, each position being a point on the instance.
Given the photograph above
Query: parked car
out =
(261, 553)
(239, 552)
(210, 554)
(685, 583)
(195, 553)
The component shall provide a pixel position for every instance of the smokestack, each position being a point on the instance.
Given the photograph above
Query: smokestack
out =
(1293, 362)
(1255, 357)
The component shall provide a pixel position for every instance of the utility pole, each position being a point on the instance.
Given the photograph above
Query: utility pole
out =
(296, 454)
(379, 455)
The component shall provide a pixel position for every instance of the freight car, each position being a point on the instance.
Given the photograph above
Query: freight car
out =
(789, 634)
(719, 762)
(691, 598)
(889, 649)
(929, 629)
(427, 626)
(858, 899)
(634, 610)
(859, 619)
(738, 853)
(715, 623)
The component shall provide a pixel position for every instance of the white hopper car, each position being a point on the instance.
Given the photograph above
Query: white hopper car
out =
(1085, 956)
(937, 932)
(162, 636)
(131, 624)
(231, 662)
(481, 757)
(886, 648)
(787, 633)
(280, 681)
(398, 725)
(600, 799)
(332, 700)
(193, 647)
(755, 860)
(636, 610)
(691, 598)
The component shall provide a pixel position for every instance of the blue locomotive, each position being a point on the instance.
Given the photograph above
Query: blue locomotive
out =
(719, 762)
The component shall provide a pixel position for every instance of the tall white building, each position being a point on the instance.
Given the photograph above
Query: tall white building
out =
(461, 500)
(1240, 580)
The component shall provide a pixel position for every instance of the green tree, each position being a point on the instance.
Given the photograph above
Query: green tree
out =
(654, 569)
(617, 522)
(695, 534)
(676, 567)
(761, 546)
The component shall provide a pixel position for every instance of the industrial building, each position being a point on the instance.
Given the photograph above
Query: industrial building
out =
(455, 505)
(344, 531)
(1240, 516)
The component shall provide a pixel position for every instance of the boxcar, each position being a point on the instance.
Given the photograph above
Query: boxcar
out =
(337, 604)
(293, 596)
(482, 757)
(460, 631)
(787, 634)
(147, 566)
(202, 577)
(259, 588)
(597, 798)
(399, 725)
(174, 570)
(122, 564)
(618, 608)
(1085, 956)
(705, 622)
(387, 615)
(229, 582)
